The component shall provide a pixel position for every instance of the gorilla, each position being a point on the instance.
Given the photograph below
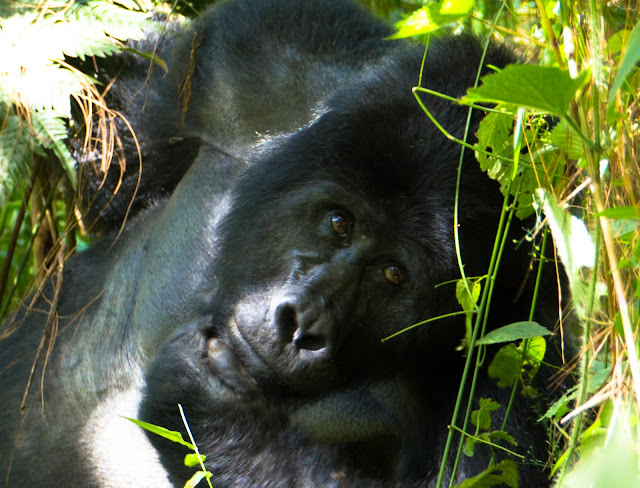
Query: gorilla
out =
(296, 206)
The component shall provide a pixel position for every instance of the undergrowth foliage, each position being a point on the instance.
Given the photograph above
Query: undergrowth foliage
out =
(38, 86)
(562, 139)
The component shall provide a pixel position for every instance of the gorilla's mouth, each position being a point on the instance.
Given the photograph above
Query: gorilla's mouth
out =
(268, 361)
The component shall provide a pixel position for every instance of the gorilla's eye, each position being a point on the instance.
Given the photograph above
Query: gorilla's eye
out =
(395, 274)
(341, 223)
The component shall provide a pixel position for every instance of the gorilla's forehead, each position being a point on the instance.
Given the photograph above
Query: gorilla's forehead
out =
(389, 156)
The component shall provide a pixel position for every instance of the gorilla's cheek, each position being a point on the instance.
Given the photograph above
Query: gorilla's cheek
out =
(267, 348)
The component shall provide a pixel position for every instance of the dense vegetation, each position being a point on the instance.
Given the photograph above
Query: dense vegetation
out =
(563, 141)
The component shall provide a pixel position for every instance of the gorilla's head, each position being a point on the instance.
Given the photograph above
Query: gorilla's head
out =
(340, 233)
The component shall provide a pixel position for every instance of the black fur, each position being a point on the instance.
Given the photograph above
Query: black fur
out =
(315, 220)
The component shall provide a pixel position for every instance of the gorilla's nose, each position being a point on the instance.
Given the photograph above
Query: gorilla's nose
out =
(310, 330)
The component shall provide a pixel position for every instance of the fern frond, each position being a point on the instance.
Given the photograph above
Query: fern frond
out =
(17, 146)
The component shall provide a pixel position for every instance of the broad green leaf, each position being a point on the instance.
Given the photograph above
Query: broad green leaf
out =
(432, 17)
(629, 60)
(512, 332)
(172, 435)
(543, 88)
(469, 448)
(617, 41)
(493, 437)
(536, 349)
(503, 473)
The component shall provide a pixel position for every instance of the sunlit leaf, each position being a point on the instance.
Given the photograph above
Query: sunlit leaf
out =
(629, 60)
(431, 17)
(467, 302)
(197, 478)
(574, 246)
(628, 212)
(543, 88)
(609, 460)
(192, 459)
(172, 435)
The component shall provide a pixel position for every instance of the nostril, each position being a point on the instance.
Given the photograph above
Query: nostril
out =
(310, 342)
(287, 322)
(307, 330)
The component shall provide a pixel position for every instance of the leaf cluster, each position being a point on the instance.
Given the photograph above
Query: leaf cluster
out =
(38, 85)
(562, 139)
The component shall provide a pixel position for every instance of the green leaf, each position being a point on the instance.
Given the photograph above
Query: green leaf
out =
(469, 448)
(611, 462)
(52, 131)
(494, 136)
(17, 144)
(574, 245)
(566, 140)
(431, 17)
(536, 348)
(560, 406)
(505, 366)
(172, 435)
(628, 212)
(543, 88)
(191, 460)
(617, 41)
(629, 60)
(500, 435)
(467, 302)
(493, 437)
(197, 478)
(481, 418)
(512, 332)
(110, 19)
(505, 472)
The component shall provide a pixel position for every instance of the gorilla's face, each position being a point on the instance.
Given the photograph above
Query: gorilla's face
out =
(342, 270)
(325, 256)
